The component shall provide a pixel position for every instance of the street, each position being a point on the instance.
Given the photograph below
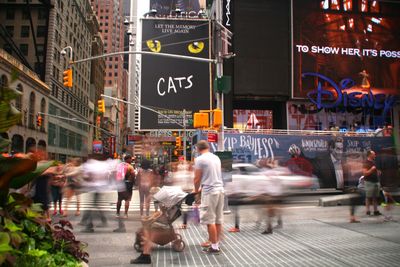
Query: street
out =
(311, 236)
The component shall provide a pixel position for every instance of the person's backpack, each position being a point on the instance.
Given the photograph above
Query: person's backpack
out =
(123, 175)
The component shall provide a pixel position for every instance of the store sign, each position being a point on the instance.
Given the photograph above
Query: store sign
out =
(227, 13)
(323, 98)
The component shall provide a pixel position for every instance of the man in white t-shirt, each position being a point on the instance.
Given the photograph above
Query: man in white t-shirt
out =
(208, 175)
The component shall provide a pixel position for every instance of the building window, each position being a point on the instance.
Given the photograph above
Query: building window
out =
(24, 49)
(10, 13)
(25, 14)
(18, 100)
(43, 110)
(40, 51)
(52, 137)
(24, 31)
(41, 31)
(42, 14)
(31, 115)
(10, 30)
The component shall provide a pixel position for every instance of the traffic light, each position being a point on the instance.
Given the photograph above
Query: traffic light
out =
(67, 78)
(39, 121)
(217, 118)
(101, 106)
(178, 141)
(200, 120)
(98, 120)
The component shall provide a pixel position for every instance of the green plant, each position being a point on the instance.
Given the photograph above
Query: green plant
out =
(26, 238)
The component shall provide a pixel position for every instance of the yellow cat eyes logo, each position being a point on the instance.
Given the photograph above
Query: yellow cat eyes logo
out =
(154, 45)
(196, 47)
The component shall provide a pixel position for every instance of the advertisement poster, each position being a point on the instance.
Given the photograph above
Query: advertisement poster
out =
(97, 147)
(314, 151)
(170, 85)
(346, 53)
(244, 119)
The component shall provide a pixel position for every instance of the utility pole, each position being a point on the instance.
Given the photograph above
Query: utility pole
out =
(184, 134)
(219, 67)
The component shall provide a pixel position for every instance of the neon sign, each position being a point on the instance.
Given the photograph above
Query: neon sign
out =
(323, 98)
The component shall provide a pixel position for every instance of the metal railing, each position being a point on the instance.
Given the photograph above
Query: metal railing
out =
(298, 132)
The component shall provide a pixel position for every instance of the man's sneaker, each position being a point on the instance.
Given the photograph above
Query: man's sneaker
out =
(205, 244)
(377, 213)
(210, 250)
(227, 212)
(117, 215)
(368, 213)
(142, 259)
(384, 204)
(234, 230)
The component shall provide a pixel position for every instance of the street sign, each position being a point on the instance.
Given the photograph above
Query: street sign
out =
(212, 137)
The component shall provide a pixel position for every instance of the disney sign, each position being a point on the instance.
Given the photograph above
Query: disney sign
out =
(324, 98)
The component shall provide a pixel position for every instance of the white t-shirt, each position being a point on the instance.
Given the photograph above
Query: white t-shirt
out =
(211, 179)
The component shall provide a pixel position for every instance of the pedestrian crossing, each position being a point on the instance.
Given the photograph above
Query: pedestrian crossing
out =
(107, 202)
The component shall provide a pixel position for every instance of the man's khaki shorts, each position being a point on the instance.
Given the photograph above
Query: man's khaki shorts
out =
(371, 189)
(212, 208)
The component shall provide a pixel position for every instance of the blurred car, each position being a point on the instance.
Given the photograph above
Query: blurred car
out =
(250, 180)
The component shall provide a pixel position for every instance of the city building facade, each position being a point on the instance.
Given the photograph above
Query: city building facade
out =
(54, 25)
(111, 16)
(27, 135)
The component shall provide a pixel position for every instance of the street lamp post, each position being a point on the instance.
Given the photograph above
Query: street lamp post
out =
(64, 52)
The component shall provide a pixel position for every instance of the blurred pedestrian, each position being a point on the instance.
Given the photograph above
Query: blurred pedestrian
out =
(208, 175)
(389, 179)
(125, 177)
(144, 181)
(371, 179)
(40, 190)
(57, 183)
(96, 178)
(73, 174)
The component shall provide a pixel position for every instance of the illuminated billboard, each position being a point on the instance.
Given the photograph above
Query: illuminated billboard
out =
(244, 119)
(346, 53)
(171, 85)
(166, 8)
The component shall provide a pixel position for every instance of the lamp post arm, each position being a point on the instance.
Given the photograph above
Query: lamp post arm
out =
(76, 120)
(205, 60)
(144, 107)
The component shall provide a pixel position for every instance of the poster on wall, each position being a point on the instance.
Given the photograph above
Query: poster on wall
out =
(244, 119)
(97, 147)
(171, 85)
(345, 54)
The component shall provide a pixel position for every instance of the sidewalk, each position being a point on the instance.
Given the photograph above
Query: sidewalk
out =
(311, 236)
